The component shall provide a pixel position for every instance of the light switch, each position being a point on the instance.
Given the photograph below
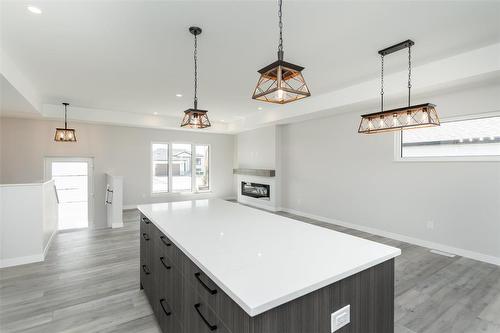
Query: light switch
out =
(341, 317)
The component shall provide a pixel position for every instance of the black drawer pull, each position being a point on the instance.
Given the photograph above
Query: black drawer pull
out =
(211, 327)
(145, 220)
(162, 259)
(164, 241)
(168, 313)
(211, 291)
(145, 236)
(146, 269)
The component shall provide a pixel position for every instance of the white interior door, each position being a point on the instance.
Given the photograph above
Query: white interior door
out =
(73, 178)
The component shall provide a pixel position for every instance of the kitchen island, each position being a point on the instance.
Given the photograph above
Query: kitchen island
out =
(211, 265)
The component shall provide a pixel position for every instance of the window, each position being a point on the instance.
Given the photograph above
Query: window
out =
(461, 139)
(173, 167)
(202, 179)
(160, 167)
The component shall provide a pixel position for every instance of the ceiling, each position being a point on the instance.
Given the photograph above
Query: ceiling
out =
(135, 56)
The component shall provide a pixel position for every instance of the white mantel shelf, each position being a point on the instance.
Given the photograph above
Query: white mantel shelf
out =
(262, 260)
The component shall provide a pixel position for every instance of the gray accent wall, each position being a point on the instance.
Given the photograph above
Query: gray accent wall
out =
(331, 171)
(118, 150)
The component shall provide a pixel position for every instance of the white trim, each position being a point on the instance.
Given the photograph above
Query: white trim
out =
(398, 151)
(116, 225)
(21, 260)
(49, 243)
(420, 242)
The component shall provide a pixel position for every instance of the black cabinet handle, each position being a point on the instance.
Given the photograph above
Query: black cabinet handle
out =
(162, 259)
(164, 241)
(162, 301)
(211, 291)
(146, 269)
(145, 236)
(145, 220)
(211, 327)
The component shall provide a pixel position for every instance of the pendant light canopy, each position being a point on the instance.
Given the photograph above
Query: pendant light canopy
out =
(194, 118)
(281, 82)
(65, 134)
(412, 116)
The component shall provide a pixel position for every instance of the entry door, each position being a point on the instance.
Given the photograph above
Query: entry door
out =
(73, 178)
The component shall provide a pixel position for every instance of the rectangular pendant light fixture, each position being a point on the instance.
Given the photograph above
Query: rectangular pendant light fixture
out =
(411, 116)
(65, 134)
(415, 116)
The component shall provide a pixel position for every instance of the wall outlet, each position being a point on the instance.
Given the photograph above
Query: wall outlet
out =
(341, 317)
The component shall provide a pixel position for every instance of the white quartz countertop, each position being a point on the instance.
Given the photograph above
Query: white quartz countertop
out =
(262, 260)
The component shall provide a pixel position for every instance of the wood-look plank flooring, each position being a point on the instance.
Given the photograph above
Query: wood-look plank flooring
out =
(89, 282)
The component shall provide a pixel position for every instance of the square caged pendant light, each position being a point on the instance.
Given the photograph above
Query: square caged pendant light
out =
(281, 82)
(65, 134)
(194, 118)
(412, 116)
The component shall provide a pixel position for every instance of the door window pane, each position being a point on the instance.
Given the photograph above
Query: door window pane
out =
(202, 165)
(472, 137)
(160, 167)
(181, 167)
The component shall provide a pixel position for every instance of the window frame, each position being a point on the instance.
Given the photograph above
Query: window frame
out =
(398, 145)
(193, 169)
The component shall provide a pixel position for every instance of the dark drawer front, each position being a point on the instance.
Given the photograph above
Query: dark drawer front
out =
(170, 282)
(198, 317)
(146, 248)
(168, 249)
(234, 317)
(168, 309)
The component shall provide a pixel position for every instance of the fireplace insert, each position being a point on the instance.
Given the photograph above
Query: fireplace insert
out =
(255, 190)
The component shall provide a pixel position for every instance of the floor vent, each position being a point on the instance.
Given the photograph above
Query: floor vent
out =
(446, 254)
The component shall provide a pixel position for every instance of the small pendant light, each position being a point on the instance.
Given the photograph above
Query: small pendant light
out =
(281, 82)
(412, 116)
(194, 118)
(65, 134)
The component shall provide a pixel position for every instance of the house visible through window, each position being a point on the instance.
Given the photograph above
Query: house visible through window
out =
(187, 174)
(478, 137)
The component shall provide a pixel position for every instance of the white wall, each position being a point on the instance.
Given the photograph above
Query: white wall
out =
(118, 150)
(331, 171)
(28, 220)
(256, 149)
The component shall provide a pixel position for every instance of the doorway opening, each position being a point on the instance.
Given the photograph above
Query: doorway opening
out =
(73, 180)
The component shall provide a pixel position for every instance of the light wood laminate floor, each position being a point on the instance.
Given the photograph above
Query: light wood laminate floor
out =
(90, 283)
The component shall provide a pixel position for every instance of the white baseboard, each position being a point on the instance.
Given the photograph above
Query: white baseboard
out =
(21, 260)
(117, 225)
(48, 244)
(129, 207)
(431, 245)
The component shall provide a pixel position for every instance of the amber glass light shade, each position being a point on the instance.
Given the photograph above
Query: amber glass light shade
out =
(415, 116)
(281, 82)
(65, 135)
(194, 118)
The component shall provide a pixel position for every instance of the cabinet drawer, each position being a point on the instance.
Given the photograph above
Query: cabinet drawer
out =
(168, 319)
(198, 317)
(233, 316)
(170, 283)
(168, 249)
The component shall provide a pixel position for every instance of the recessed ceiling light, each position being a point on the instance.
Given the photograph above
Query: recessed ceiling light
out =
(155, 113)
(259, 108)
(178, 95)
(34, 10)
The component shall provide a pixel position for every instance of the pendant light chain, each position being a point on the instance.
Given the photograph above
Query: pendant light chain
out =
(280, 18)
(382, 85)
(409, 75)
(65, 116)
(195, 56)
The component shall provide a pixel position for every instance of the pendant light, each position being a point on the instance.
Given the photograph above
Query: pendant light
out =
(194, 118)
(412, 116)
(65, 134)
(281, 82)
